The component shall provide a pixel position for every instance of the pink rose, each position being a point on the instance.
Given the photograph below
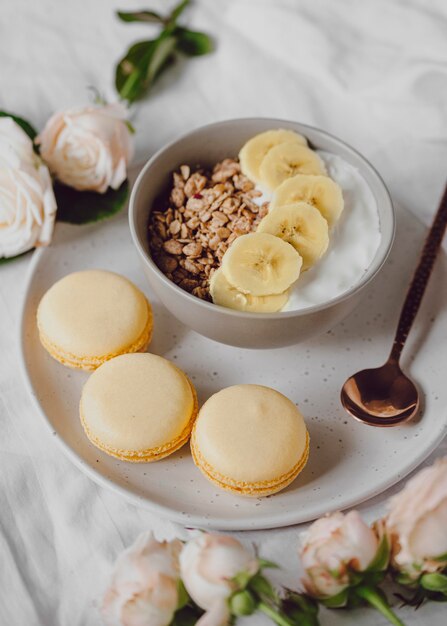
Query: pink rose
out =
(333, 546)
(144, 584)
(208, 564)
(88, 148)
(417, 523)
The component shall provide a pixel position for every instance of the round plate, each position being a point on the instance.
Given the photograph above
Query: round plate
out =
(349, 462)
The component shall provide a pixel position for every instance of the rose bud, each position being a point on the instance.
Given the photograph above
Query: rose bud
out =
(344, 560)
(88, 148)
(144, 584)
(208, 565)
(417, 524)
(333, 548)
(27, 203)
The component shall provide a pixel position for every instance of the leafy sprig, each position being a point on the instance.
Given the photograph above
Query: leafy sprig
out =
(146, 60)
(256, 593)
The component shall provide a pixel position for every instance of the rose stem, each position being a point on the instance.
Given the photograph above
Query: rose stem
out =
(374, 599)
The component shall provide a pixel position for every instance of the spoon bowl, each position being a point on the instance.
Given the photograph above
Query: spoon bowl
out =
(382, 396)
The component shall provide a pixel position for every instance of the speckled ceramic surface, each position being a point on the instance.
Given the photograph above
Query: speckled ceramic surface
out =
(349, 462)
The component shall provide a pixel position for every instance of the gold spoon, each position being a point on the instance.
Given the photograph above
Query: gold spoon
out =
(385, 396)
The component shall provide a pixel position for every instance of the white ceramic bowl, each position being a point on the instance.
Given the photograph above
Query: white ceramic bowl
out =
(206, 146)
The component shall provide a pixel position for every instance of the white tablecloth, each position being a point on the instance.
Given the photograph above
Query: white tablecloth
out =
(371, 72)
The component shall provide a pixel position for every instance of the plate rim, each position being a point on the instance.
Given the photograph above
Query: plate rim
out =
(281, 520)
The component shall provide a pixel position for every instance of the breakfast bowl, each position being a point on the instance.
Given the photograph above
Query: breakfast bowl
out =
(208, 145)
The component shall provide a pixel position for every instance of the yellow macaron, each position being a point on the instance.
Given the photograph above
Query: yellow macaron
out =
(250, 440)
(89, 317)
(138, 407)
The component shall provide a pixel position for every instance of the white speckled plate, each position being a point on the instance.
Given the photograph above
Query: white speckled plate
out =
(349, 462)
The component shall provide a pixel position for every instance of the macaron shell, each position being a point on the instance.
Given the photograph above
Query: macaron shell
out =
(89, 363)
(138, 407)
(93, 314)
(152, 454)
(250, 434)
(255, 490)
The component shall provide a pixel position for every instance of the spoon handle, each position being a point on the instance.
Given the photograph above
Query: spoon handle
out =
(420, 278)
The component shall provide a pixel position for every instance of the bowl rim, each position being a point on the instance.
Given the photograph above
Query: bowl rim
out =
(375, 266)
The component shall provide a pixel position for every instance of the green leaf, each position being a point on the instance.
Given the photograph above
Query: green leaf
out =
(262, 587)
(183, 597)
(142, 65)
(373, 578)
(175, 14)
(193, 43)
(267, 564)
(441, 558)
(130, 127)
(8, 259)
(276, 615)
(29, 130)
(404, 579)
(140, 16)
(159, 59)
(382, 557)
(145, 61)
(82, 207)
(306, 620)
(336, 601)
(434, 582)
(354, 577)
(301, 602)
(132, 67)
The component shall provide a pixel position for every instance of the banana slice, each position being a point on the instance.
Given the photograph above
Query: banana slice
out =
(287, 160)
(320, 191)
(256, 148)
(301, 225)
(223, 293)
(260, 264)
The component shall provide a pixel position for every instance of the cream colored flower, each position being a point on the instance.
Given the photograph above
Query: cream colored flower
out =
(16, 148)
(143, 587)
(333, 546)
(208, 564)
(417, 522)
(27, 203)
(88, 148)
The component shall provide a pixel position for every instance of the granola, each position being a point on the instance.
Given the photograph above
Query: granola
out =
(203, 213)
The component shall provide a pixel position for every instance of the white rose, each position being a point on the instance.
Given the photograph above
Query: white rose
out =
(208, 564)
(27, 203)
(16, 148)
(143, 588)
(417, 523)
(333, 546)
(88, 148)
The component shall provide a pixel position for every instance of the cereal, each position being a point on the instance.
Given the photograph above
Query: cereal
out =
(203, 215)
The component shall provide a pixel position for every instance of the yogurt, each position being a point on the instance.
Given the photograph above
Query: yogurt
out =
(353, 243)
